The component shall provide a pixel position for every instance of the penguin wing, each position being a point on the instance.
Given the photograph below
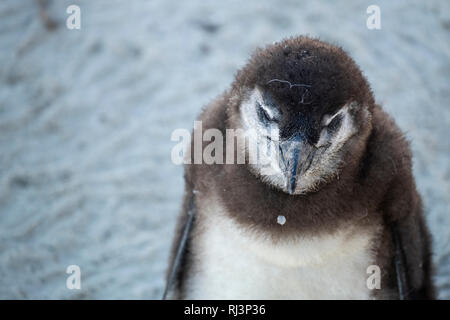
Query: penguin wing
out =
(411, 240)
(180, 244)
(402, 207)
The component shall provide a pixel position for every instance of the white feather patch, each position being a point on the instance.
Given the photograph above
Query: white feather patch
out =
(232, 263)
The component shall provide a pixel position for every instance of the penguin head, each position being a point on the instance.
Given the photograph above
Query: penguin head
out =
(307, 107)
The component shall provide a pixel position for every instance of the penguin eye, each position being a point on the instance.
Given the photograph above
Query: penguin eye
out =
(264, 114)
(334, 123)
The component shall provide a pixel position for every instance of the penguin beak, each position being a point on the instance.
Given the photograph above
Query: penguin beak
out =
(295, 158)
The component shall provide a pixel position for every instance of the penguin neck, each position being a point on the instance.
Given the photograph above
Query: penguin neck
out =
(256, 205)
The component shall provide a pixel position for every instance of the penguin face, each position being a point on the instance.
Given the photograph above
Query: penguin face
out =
(294, 151)
(307, 107)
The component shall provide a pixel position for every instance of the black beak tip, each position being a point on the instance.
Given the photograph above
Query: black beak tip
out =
(291, 188)
(290, 161)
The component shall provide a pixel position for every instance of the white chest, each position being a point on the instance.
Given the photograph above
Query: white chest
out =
(232, 263)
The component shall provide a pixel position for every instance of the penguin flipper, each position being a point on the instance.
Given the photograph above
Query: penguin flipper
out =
(412, 244)
(180, 245)
(413, 258)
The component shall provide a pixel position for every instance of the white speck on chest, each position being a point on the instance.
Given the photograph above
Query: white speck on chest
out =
(281, 220)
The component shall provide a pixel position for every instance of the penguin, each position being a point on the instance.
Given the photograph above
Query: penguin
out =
(333, 213)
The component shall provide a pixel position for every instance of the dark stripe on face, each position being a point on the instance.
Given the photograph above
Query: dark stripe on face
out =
(334, 124)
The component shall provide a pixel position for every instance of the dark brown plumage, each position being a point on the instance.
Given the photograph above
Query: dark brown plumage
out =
(374, 186)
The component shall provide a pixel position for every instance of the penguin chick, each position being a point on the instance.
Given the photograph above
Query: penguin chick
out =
(337, 197)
